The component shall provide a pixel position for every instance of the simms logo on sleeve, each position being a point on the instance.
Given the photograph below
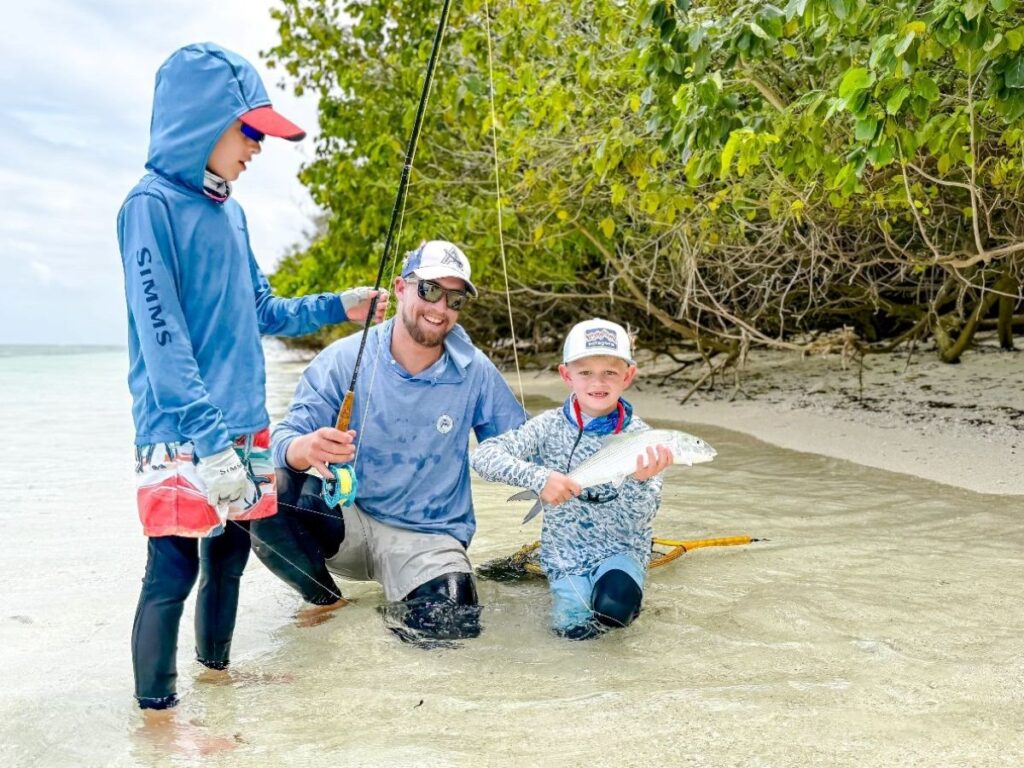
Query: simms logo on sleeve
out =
(153, 308)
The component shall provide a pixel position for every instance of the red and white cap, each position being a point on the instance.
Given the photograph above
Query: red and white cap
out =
(266, 120)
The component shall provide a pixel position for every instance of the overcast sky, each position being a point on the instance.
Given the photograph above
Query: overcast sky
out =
(76, 90)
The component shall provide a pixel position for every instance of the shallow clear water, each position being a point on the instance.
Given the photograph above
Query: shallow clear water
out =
(880, 625)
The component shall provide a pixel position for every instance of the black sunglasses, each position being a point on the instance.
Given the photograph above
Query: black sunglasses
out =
(432, 292)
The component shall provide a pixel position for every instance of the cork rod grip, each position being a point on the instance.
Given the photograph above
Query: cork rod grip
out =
(345, 414)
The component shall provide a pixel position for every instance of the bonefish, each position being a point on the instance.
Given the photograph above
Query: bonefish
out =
(616, 460)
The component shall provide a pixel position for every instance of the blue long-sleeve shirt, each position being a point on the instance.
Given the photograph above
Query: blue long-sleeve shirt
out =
(412, 431)
(197, 301)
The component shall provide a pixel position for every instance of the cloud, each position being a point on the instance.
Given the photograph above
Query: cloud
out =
(44, 272)
(76, 92)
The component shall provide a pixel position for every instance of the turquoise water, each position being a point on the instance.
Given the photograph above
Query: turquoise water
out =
(880, 625)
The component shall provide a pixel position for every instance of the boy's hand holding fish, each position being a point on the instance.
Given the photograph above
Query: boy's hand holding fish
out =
(656, 459)
(559, 488)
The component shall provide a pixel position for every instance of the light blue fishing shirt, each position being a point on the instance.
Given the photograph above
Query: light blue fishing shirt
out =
(197, 301)
(412, 431)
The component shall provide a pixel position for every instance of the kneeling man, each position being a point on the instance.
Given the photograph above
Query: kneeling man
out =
(423, 386)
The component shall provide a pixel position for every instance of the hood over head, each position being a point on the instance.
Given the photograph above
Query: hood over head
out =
(200, 90)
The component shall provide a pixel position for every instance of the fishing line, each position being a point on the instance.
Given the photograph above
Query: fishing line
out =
(497, 187)
(504, 264)
(278, 554)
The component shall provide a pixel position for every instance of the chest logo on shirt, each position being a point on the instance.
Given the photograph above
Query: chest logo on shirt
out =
(445, 424)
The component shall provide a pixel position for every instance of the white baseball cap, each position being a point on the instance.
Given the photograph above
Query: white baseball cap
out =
(597, 337)
(438, 258)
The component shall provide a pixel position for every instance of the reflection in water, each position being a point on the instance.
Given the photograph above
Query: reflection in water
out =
(879, 626)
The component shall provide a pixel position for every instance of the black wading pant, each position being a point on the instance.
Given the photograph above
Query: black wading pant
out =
(172, 566)
(296, 543)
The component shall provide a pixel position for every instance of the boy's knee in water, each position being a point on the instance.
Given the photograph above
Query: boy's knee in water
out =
(616, 599)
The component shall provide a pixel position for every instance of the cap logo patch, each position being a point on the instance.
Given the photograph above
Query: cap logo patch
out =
(600, 337)
(452, 258)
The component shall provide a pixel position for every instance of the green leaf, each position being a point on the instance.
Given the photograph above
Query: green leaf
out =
(789, 51)
(993, 42)
(860, 103)
(475, 85)
(839, 9)
(758, 30)
(618, 193)
(795, 8)
(1000, 5)
(607, 226)
(977, 37)
(973, 8)
(896, 98)
(855, 79)
(729, 151)
(902, 46)
(880, 155)
(865, 129)
(925, 87)
(1015, 73)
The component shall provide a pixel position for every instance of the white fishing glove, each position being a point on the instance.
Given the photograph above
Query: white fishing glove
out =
(225, 478)
(353, 297)
(356, 303)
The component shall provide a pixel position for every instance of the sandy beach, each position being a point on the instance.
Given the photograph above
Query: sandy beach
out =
(962, 425)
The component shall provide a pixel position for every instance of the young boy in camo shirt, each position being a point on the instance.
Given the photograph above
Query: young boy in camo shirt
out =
(595, 544)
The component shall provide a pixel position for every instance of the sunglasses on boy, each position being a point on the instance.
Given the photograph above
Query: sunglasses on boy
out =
(432, 292)
(251, 133)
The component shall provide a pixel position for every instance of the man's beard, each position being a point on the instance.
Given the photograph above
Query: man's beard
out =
(419, 336)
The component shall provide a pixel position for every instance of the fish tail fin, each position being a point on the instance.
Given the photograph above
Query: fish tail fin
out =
(526, 495)
(534, 511)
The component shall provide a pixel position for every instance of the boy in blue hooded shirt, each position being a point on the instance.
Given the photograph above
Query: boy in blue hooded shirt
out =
(197, 306)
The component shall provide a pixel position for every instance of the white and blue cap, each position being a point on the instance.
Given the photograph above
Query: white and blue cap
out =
(438, 258)
(597, 337)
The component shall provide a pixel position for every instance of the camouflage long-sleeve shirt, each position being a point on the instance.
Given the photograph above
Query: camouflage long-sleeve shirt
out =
(579, 534)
